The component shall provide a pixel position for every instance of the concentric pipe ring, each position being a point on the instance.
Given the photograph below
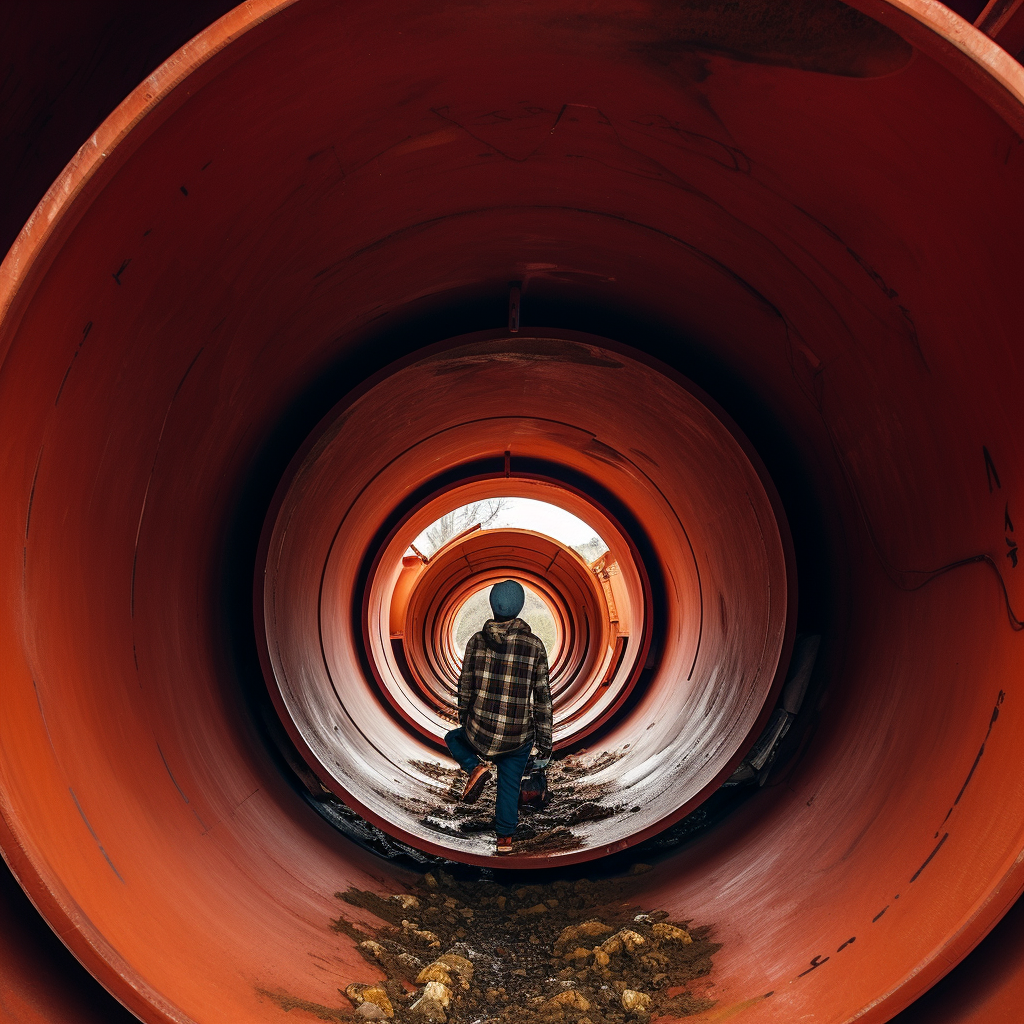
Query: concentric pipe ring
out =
(710, 678)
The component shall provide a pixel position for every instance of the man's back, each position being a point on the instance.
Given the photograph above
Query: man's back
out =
(504, 697)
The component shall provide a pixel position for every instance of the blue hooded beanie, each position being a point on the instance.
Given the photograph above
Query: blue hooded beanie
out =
(507, 599)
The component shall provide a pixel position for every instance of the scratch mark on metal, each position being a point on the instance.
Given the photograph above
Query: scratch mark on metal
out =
(818, 961)
(92, 832)
(67, 372)
(152, 472)
(181, 792)
(930, 855)
(32, 493)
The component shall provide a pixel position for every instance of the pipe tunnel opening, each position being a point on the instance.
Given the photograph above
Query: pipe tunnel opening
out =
(583, 610)
(735, 224)
(702, 684)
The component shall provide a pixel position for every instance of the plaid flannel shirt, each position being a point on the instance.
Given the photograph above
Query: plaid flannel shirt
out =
(504, 699)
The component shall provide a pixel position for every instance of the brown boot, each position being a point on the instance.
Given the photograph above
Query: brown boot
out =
(475, 786)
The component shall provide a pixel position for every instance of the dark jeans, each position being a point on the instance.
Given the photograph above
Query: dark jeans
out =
(510, 776)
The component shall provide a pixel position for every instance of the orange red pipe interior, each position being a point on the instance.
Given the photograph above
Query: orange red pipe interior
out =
(242, 316)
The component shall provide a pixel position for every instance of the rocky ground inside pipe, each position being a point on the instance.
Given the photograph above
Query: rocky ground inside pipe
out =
(576, 799)
(468, 952)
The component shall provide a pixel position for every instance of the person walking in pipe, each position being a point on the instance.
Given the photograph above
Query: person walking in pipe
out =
(504, 707)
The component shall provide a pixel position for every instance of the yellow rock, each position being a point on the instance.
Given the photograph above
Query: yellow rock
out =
(591, 929)
(601, 958)
(635, 1002)
(373, 948)
(438, 993)
(631, 940)
(580, 953)
(571, 997)
(459, 966)
(612, 945)
(670, 933)
(360, 994)
(434, 972)
(429, 1009)
(537, 908)
(428, 937)
(407, 901)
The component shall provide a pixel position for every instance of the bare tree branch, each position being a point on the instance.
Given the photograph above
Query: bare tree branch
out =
(479, 513)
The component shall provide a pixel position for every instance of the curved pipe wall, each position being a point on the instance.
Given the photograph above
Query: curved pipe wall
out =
(602, 418)
(817, 225)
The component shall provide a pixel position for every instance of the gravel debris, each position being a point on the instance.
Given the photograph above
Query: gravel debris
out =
(474, 951)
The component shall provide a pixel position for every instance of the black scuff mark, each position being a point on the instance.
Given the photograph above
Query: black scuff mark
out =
(818, 961)
(928, 861)
(970, 775)
(892, 295)
(184, 191)
(444, 113)
(883, 286)
(32, 492)
(152, 472)
(135, 566)
(880, 913)
(849, 942)
(695, 143)
(181, 792)
(120, 270)
(85, 334)
(246, 800)
(990, 470)
(92, 832)
(42, 715)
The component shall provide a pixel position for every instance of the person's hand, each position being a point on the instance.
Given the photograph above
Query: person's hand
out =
(541, 762)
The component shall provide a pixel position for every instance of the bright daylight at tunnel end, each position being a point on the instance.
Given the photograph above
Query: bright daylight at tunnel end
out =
(511, 513)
